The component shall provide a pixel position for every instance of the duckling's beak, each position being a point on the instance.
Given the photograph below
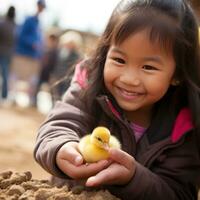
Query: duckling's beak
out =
(106, 146)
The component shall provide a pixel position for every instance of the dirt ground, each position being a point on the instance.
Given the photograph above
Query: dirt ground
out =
(18, 132)
(20, 176)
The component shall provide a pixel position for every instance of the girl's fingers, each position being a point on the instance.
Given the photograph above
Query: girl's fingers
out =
(82, 171)
(107, 176)
(119, 172)
(102, 177)
(70, 161)
(69, 152)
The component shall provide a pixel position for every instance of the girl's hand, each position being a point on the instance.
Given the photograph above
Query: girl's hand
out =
(70, 161)
(119, 172)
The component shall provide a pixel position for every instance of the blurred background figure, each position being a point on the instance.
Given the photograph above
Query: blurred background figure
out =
(49, 59)
(7, 41)
(70, 53)
(27, 60)
(44, 99)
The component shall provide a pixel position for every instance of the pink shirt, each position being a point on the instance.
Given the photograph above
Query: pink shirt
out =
(138, 131)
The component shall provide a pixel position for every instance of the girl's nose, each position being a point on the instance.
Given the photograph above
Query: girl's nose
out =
(131, 77)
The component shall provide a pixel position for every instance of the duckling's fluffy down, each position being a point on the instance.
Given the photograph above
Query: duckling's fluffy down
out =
(92, 153)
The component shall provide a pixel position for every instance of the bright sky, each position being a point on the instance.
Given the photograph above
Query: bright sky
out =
(89, 15)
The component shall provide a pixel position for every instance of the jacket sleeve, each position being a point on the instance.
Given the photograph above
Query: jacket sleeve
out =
(175, 177)
(64, 123)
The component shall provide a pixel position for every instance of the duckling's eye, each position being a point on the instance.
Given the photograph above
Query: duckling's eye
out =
(99, 139)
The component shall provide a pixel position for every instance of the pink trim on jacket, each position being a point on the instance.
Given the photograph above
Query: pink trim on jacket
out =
(183, 124)
(80, 75)
(113, 110)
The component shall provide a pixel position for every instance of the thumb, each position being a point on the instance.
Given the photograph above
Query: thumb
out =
(121, 157)
(70, 152)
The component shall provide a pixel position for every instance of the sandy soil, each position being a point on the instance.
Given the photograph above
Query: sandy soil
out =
(20, 176)
(18, 132)
(21, 186)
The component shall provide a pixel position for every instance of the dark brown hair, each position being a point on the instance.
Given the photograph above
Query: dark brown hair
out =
(172, 24)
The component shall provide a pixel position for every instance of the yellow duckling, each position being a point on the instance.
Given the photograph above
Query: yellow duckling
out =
(94, 147)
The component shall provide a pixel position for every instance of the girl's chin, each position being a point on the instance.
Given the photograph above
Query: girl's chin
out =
(128, 107)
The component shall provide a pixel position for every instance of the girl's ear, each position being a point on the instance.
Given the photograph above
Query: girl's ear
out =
(175, 82)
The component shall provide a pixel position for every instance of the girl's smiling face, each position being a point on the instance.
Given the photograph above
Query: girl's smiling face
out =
(138, 73)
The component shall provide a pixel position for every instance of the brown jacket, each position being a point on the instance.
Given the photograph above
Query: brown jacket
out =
(168, 169)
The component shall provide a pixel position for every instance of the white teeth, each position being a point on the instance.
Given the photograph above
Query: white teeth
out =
(129, 93)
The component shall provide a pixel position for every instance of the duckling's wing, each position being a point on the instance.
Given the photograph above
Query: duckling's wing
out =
(84, 142)
(114, 142)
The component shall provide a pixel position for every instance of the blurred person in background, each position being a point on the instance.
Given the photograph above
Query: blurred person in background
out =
(27, 60)
(43, 95)
(7, 42)
(69, 54)
(49, 60)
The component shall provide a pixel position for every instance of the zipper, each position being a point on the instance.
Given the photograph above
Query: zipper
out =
(116, 116)
(132, 149)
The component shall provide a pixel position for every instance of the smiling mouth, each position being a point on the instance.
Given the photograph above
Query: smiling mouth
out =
(129, 94)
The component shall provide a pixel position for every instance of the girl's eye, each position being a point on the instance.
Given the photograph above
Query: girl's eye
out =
(149, 67)
(119, 60)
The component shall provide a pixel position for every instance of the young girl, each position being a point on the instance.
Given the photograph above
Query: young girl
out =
(143, 84)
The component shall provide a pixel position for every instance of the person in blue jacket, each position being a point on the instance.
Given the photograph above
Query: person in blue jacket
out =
(30, 37)
(29, 49)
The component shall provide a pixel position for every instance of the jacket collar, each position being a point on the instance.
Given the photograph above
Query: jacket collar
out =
(182, 124)
(109, 107)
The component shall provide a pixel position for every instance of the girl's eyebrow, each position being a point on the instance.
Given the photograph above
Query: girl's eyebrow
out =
(116, 50)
